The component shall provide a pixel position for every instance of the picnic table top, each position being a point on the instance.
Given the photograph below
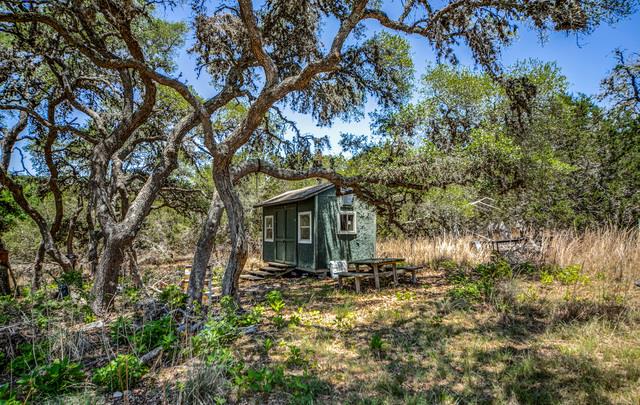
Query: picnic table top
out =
(377, 260)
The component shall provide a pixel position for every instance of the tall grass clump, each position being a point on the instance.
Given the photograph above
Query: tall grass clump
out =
(428, 251)
(607, 252)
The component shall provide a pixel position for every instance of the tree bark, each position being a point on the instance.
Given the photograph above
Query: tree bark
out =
(134, 270)
(106, 276)
(36, 278)
(202, 254)
(235, 215)
(5, 286)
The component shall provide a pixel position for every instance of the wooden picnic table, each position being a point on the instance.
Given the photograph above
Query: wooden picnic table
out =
(376, 263)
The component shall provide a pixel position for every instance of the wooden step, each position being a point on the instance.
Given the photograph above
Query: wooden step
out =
(251, 277)
(261, 273)
(281, 265)
(276, 270)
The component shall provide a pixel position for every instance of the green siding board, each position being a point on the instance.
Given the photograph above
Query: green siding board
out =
(306, 250)
(327, 244)
(335, 246)
(268, 248)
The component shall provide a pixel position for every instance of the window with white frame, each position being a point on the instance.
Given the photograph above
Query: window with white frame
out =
(347, 222)
(268, 228)
(304, 227)
(347, 200)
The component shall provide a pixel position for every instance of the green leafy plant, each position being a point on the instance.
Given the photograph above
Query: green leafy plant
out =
(472, 286)
(253, 317)
(302, 388)
(155, 333)
(568, 275)
(275, 301)
(571, 275)
(58, 377)
(8, 396)
(215, 334)
(296, 317)
(264, 379)
(405, 295)
(173, 296)
(280, 321)
(376, 344)
(121, 330)
(268, 345)
(120, 374)
(345, 317)
(31, 356)
(296, 357)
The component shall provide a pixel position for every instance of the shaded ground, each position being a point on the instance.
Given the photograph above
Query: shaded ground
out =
(526, 341)
(414, 344)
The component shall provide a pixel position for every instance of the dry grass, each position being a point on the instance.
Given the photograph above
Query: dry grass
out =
(426, 251)
(609, 251)
(554, 343)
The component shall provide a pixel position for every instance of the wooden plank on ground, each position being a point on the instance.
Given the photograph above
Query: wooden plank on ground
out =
(250, 277)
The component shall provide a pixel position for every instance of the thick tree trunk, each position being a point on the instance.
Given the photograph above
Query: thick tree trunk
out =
(106, 276)
(235, 215)
(5, 285)
(202, 254)
(134, 270)
(36, 278)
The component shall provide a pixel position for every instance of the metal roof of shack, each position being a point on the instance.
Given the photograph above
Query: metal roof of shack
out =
(295, 195)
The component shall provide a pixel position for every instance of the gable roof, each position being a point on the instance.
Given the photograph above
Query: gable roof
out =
(295, 195)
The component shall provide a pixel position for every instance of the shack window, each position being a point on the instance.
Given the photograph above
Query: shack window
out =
(304, 227)
(347, 199)
(268, 228)
(347, 222)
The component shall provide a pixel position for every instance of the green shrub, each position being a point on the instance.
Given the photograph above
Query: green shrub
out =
(31, 356)
(565, 275)
(376, 344)
(7, 396)
(8, 309)
(302, 388)
(275, 301)
(215, 334)
(571, 275)
(122, 373)
(121, 330)
(58, 377)
(469, 291)
(267, 345)
(161, 332)
(479, 284)
(296, 357)
(72, 278)
(405, 295)
(173, 297)
(495, 270)
(253, 317)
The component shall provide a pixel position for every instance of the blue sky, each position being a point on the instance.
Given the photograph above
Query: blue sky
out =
(585, 60)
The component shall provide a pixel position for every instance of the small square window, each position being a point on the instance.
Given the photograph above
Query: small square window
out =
(347, 223)
(347, 199)
(268, 228)
(304, 227)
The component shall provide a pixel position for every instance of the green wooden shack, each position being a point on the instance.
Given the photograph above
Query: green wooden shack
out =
(307, 228)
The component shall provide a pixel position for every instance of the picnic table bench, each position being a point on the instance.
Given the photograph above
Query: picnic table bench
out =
(381, 267)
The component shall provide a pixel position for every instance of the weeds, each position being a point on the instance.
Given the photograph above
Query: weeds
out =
(58, 377)
(121, 330)
(121, 374)
(154, 334)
